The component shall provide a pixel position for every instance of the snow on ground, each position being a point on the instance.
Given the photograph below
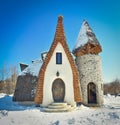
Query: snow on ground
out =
(12, 113)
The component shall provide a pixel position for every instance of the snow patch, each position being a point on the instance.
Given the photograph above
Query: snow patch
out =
(112, 101)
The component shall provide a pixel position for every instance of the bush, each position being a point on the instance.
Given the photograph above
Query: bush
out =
(112, 88)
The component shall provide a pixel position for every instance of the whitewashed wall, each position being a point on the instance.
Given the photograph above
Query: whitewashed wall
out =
(66, 75)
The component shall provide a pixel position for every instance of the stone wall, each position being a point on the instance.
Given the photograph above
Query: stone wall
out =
(25, 88)
(90, 70)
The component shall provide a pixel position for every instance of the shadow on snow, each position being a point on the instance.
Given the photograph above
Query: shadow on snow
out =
(6, 103)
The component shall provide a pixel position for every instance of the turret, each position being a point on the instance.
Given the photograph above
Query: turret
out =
(88, 62)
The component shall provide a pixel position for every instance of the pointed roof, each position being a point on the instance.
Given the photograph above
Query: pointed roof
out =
(85, 37)
(58, 38)
(60, 35)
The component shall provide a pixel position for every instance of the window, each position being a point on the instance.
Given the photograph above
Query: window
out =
(58, 58)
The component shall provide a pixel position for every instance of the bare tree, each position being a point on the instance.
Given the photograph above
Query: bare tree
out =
(112, 87)
(3, 72)
(8, 77)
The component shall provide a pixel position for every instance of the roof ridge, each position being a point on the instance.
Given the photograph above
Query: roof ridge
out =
(59, 34)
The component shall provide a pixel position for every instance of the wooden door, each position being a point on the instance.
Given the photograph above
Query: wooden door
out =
(58, 90)
(92, 93)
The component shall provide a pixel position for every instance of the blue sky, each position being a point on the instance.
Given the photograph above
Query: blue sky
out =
(27, 28)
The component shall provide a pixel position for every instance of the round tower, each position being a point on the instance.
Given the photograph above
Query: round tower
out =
(88, 62)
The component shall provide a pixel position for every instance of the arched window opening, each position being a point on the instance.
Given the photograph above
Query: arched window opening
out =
(92, 99)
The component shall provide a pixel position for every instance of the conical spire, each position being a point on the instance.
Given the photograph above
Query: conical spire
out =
(85, 37)
(59, 29)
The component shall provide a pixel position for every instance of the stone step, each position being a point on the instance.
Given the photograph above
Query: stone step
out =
(59, 104)
(59, 107)
(56, 110)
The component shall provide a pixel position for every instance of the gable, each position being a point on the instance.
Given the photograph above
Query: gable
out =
(59, 55)
(54, 71)
(59, 39)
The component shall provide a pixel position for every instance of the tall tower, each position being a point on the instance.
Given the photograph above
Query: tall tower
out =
(88, 62)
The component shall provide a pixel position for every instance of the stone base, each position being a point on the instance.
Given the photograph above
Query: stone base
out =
(92, 105)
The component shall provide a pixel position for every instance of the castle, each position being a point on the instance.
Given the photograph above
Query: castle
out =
(61, 76)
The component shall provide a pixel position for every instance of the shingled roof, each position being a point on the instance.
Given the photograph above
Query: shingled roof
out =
(86, 41)
(58, 38)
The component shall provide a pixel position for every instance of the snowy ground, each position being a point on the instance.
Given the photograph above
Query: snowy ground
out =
(13, 114)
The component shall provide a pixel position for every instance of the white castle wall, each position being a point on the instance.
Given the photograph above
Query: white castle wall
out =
(66, 75)
(89, 67)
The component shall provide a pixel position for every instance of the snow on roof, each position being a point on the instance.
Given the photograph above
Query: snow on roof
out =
(85, 35)
(43, 55)
(33, 68)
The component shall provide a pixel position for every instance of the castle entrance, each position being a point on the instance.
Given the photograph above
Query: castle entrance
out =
(58, 90)
(92, 99)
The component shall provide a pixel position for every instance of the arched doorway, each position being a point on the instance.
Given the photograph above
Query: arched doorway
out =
(92, 93)
(58, 90)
